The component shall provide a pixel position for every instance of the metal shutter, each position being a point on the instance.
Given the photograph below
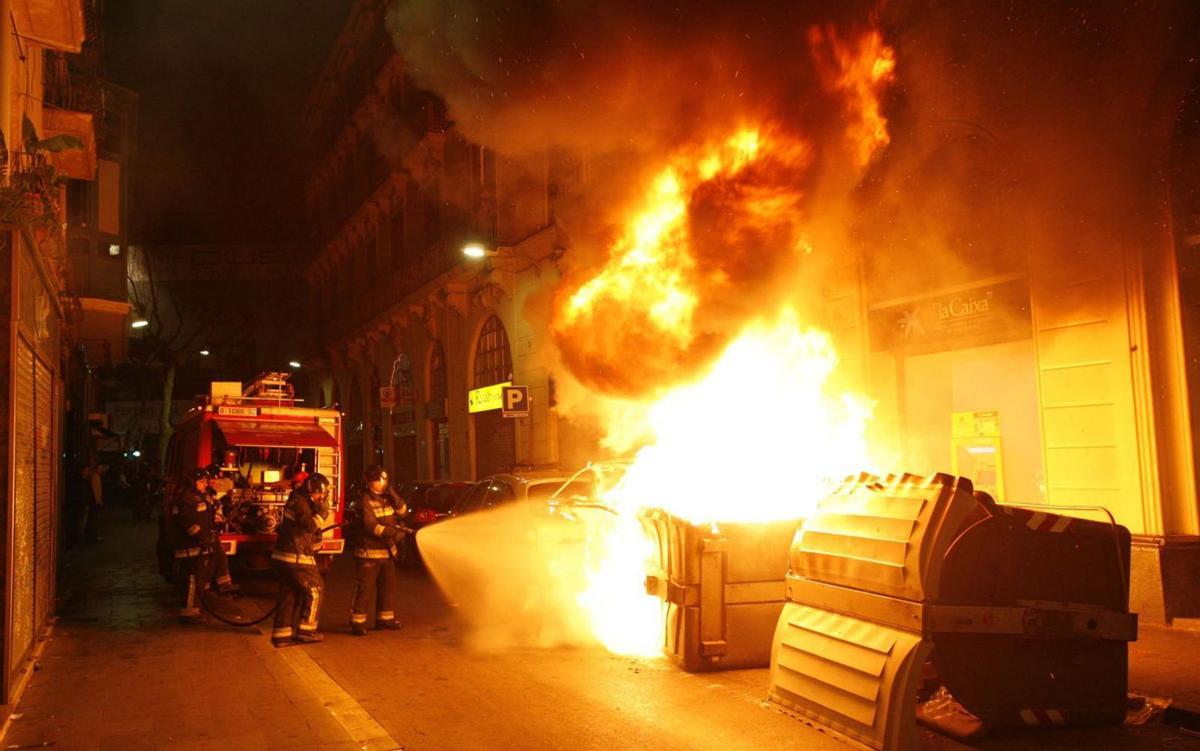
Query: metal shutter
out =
(21, 578)
(44, 531)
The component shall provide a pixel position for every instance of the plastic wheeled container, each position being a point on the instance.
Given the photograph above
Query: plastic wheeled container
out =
(723, 586)
(1018, 616)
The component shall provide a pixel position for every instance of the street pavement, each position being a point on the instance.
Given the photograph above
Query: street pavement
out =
(120, 673)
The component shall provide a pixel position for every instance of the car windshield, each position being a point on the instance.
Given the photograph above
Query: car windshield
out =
(573, 490)
(442, 498)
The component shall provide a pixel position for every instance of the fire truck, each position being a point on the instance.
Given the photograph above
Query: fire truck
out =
(265, 443)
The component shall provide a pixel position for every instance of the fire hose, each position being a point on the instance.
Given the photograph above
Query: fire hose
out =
(271, 611)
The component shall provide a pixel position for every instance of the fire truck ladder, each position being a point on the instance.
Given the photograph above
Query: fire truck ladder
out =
(271, 387)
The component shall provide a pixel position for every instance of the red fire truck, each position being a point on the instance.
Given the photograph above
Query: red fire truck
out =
(265, 443)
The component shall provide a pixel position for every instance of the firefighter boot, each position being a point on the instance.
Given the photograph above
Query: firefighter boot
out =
(358, 629)
(308, 637)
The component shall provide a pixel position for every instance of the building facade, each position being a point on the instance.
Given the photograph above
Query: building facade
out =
(1024, 306)
(38, 309)
(395, 194)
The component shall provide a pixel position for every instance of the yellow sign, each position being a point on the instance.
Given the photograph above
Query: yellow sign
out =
(487, 398)
(981, 424)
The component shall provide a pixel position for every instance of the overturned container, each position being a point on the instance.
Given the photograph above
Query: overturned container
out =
(1020, 616)
(722, 586)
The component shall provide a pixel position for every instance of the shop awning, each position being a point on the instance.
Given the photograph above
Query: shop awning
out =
(275, 434)
(77, 163)
(57, 24)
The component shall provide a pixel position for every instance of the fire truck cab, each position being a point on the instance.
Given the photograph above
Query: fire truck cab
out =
(265, 443)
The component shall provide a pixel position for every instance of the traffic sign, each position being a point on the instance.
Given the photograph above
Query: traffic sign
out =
(387, 397)
(515, 401)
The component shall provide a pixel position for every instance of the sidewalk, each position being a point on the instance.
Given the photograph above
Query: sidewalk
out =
(120, 672)
(1165, 663)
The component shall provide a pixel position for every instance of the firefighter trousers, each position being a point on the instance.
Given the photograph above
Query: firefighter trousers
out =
(300, 601)
(374, 577)
(220, 568)
(191, 576)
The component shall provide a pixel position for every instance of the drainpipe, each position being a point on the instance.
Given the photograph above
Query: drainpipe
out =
(7, 72)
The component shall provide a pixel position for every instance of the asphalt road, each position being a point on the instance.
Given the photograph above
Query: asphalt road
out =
(431, 689)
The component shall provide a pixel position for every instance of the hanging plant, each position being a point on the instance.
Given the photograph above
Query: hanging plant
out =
(29, 186)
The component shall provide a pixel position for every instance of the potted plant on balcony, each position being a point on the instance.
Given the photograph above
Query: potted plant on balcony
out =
(30, 186)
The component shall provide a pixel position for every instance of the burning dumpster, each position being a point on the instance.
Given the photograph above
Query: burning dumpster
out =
(1022, 615)
(722, 586)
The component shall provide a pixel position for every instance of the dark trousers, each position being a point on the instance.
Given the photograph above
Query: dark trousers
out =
(374, 576)
(191, 574)
(300, 604)
(220, 567)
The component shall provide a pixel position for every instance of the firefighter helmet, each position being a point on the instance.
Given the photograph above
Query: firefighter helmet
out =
(198, 474)
(316, 484)
(375, 473)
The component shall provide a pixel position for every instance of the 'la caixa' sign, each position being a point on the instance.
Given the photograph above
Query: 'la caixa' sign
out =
(971, 317)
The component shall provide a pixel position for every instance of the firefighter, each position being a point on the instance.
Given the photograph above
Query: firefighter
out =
(295, 562)
(218, 491)
(191, 525)
(379, 530)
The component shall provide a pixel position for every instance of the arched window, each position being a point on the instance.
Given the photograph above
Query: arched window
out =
(493, 358)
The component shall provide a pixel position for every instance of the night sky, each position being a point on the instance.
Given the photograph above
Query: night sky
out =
(222, 85)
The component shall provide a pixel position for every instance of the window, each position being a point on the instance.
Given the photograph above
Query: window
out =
(473, 500)
(437, 374)
(499, 492)
(398, 245)
(493, 358)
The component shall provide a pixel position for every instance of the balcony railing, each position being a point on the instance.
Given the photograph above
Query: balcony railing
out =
(382, 295)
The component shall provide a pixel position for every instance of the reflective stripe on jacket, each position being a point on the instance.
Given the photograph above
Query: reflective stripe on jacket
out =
(380, 527)
(191, 521)
(299, 532)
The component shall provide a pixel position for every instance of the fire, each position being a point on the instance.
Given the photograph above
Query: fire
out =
(758, 438)
(764, 428)
(711, 220)
(860, 73)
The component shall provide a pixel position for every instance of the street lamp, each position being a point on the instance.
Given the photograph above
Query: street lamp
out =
(295, 364)
(477, 250)
(204, 353)
(140, 323)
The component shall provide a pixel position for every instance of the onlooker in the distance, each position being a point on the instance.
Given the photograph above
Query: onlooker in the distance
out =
(79, 502)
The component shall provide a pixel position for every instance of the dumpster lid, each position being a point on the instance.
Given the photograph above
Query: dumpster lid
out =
(275, 434)
(884, 535)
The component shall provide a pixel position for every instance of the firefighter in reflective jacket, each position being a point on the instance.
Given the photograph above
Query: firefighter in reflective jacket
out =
(191, 525)
(295, 562)
(218, 491)
(380, 529)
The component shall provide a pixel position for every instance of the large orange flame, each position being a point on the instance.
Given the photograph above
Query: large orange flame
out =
(758, 435)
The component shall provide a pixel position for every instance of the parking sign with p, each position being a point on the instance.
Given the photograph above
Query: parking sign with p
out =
(515, 401)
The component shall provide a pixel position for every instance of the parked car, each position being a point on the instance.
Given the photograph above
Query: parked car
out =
(589, 486)
(531, 487)
(429, 501)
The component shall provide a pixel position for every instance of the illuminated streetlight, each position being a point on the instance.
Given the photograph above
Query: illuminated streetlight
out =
(294, 363)
(475, 250)
(204, 353)
(140, 323)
